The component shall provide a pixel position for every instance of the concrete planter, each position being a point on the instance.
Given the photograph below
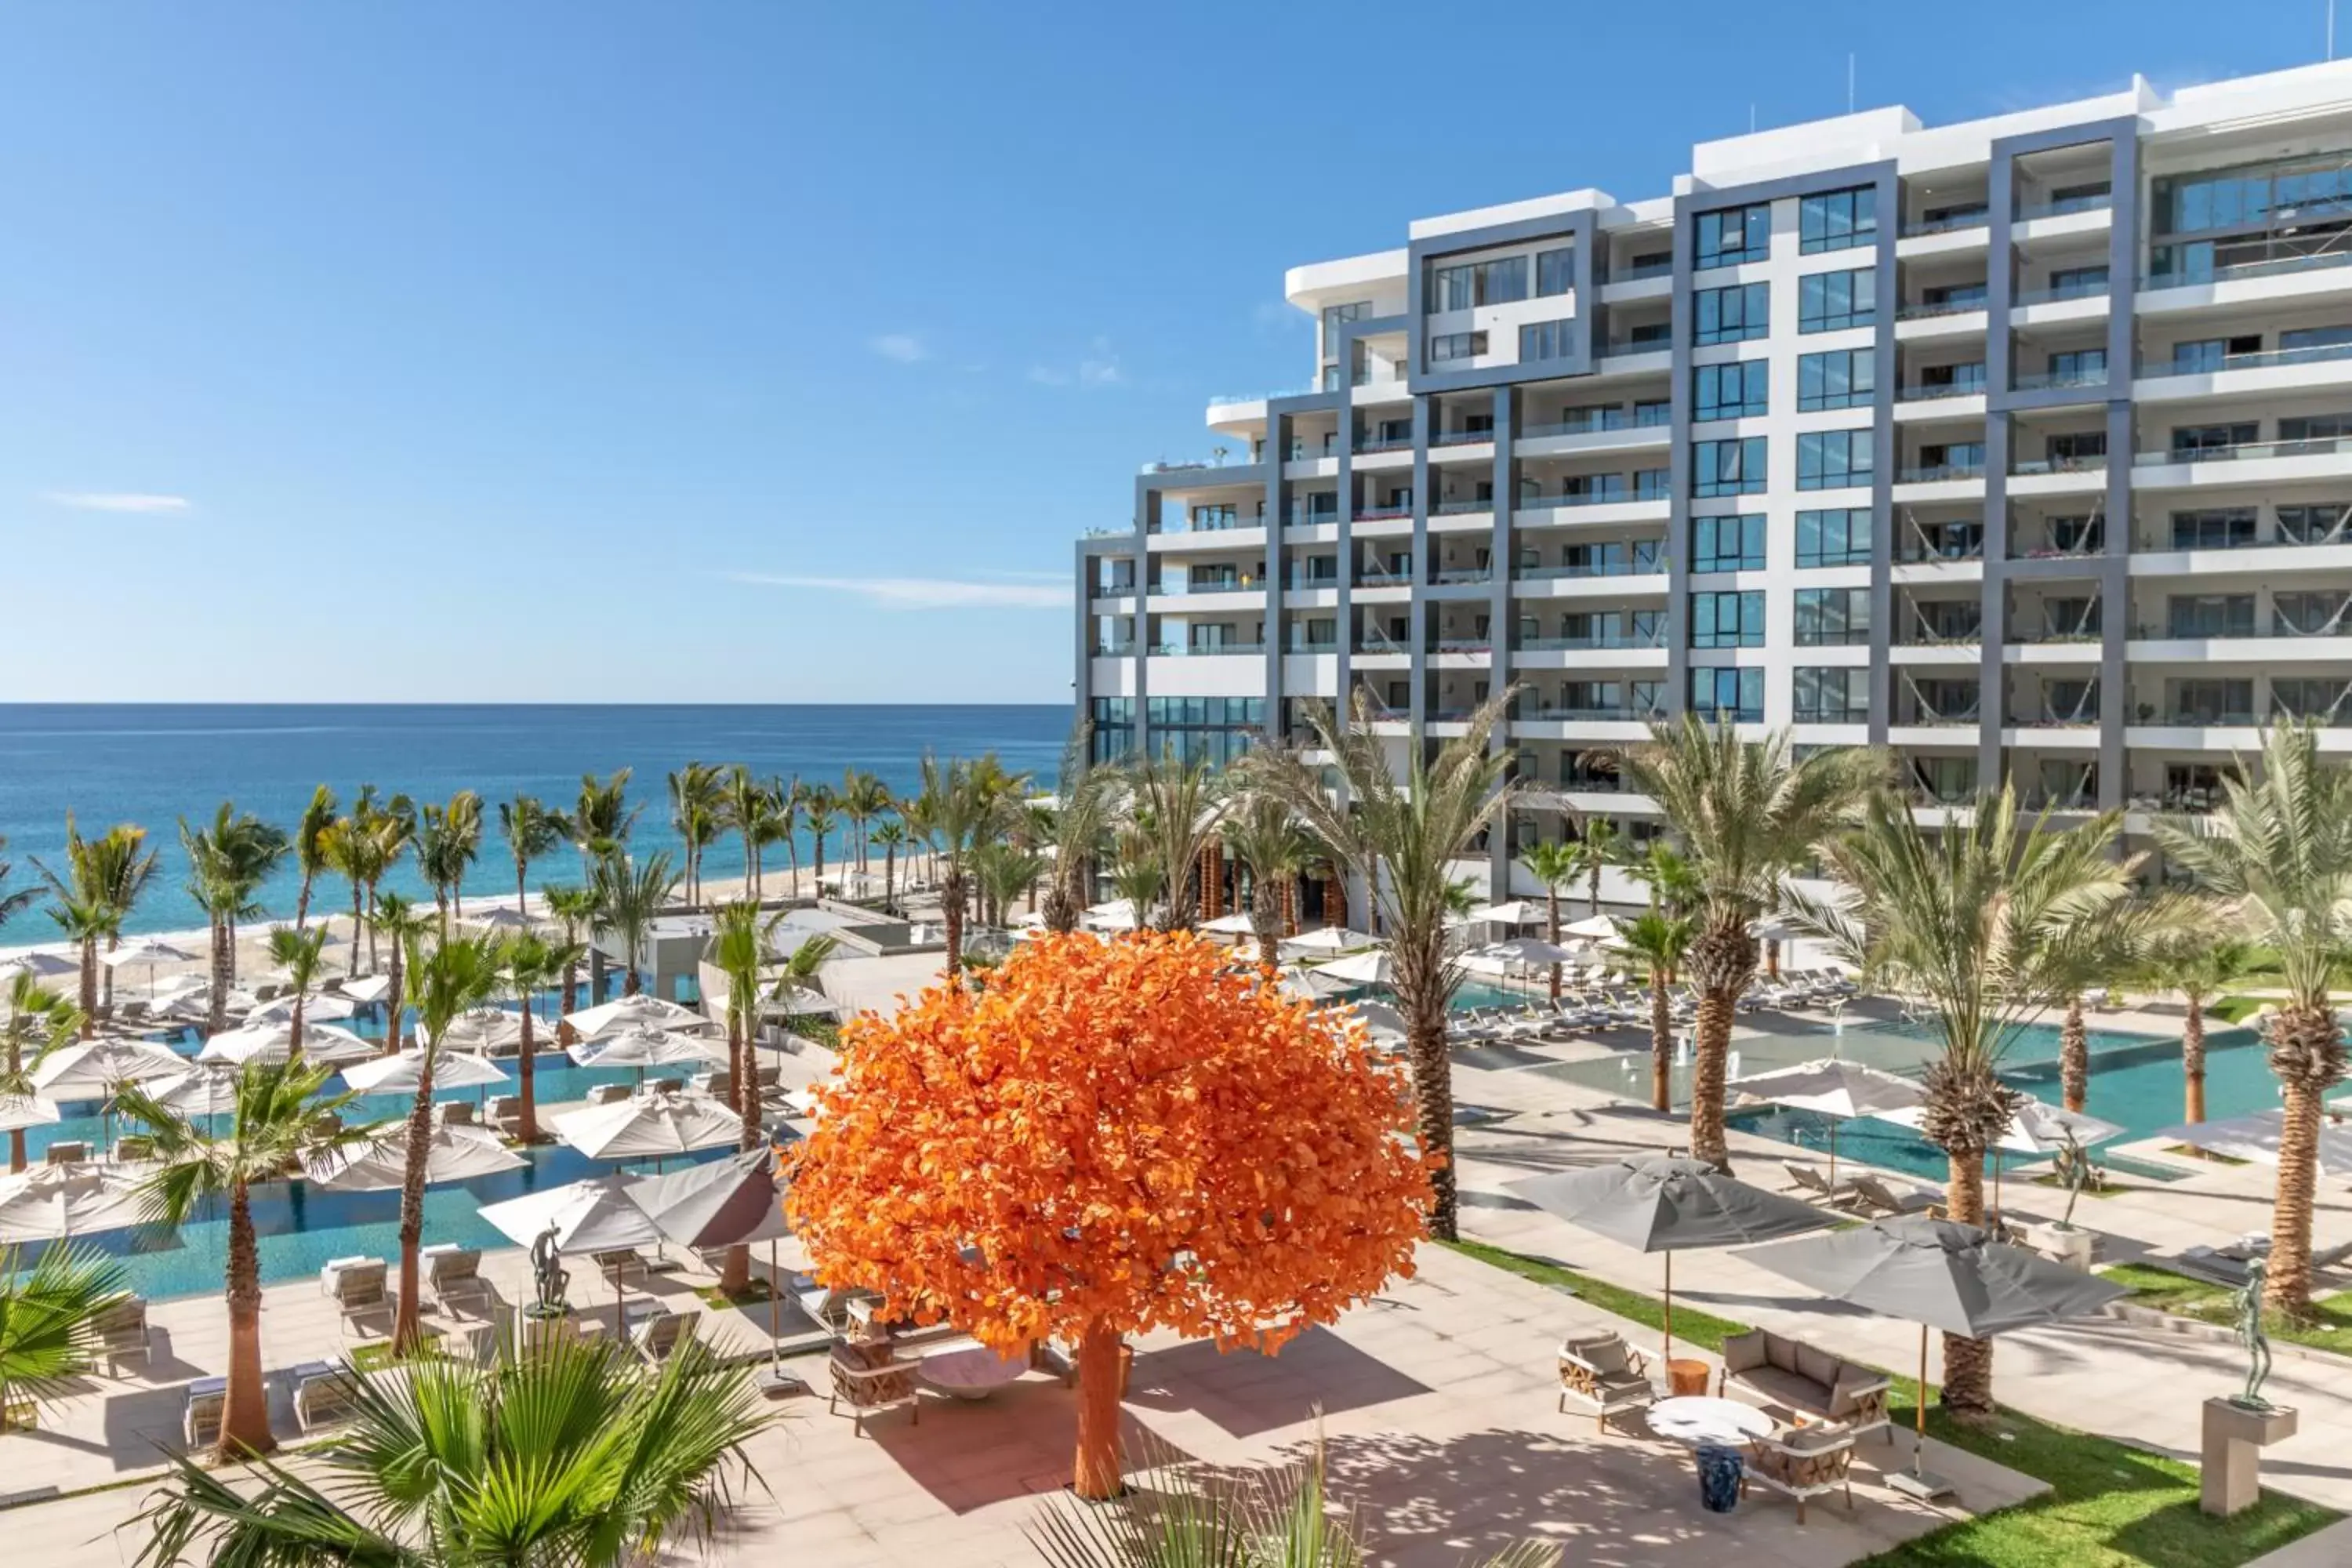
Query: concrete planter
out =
(2075, 1246)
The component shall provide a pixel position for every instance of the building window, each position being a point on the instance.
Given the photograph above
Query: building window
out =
(1475, 283)
(1654, 484)
(1730, 236)
(1837, 220)
(1845, 379)
(1727, 468)
(2074, 282)
(1731, 315)
(1834, 459)
(1833, 616)
(2081, 367)
(1834, 538)
(1729, 390)
(2320, 524)
(1451, 346)
(1835, 694)
(1546, 339)
(1833, 301)
(1111, 738)
(1729, 695)
(2223, 528)
(1726, 620)
(1556, 271)
(1727, 543)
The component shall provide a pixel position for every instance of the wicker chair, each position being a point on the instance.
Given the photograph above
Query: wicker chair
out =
(1609, 1376)
(868, 1377)
(1803, 1464)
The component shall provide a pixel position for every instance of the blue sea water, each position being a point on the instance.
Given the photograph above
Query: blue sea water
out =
(153, 763)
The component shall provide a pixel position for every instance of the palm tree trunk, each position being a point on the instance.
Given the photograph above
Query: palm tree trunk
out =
(1099, 1393)
(373, 959)
(629, 986)
(1266, 915)
(407, 1328)
(1722, 963)
(1290, 905)
(2289, 1289)
(2074, 1056)
(1592, 890)
(396, 1023)
(1551, 934)
(302, 903)
(522, 896)
(951, 910)
(1662, 1043)
(88, 988)
(735, 1272)
(2192, 1061)
(106, 980)
(526, 1120)
(1335, 900)
(890, 876)
(17, 1151)
(245, 1413)
(570, 990)
(216, 1009)
(1968, 1363)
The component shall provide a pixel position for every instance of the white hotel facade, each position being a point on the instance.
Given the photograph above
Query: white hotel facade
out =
(2022, 447)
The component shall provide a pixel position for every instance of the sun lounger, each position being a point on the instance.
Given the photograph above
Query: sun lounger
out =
(506, 1114)
(1603, 1374)
(608, 1093)
(66, 1151)
(656, 1338)
(1871, 1196)
(200, 1423)
(1811, 1185)
(453, 1112)
(357, 1285)
(622, 1267)
(454, 1274)
(121, 1332)
(133, 1148)
(823, 1304)
(720, 1087)
(323, 1393)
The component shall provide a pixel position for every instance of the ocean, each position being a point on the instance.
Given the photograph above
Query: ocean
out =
(153, 763)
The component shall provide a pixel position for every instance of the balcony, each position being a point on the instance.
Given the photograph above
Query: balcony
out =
(1936, 473)
(1641, 418)
(1637, 271)
(2316, 353)
(1939, 555)
(2246, 451)
(2095, 463)
(1949, 222)
(1111, 650)
(1384, 513)
(1968, 720)
(2059, 800)
(1242, 472)
(2065, 206)
(2274, 267)
(1635, 639)
(1306, 645)
(1927, 310)
(1178, 587)
(1369, 444)
(1462, 507)
(1934, 391)
(2052, 380)
(1649, 565)
(1635, 346)
(2063, 291)
(1462, 645)
(1462, 437)
(1453, 575)
(1625, 714)
(1204, 651)
(1317, 518)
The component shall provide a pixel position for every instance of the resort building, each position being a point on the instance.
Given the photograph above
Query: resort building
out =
(2022, 447)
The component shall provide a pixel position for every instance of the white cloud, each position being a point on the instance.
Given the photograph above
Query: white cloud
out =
(1099, 367)
(925, 592)
(120, 500)
(905, 348)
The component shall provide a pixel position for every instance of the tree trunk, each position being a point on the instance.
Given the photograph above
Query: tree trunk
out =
(629, 985)
(1098, 1472)
(526, 1120)
(1552, 917)
(356, 923)
(1772, 959)
(2192, 1061)
(570, 994)
(395, 1028)
(1290, 906)
(407, 1330)
(1592, 890)
(735, 1273)
(1662, 1043)
(1968, 1363)
(87, 999)
(217, 1011)
(1722, 963)
(2306, 1055)
(522, 897)
(1432, 1086)
(951, 908)
(244, 1414)
(302, 903)
(1265, 918)
(16, 1151)
(1335, 900)
(2074, 1056)
(1213, 880)
(890, 876)
(106, 980)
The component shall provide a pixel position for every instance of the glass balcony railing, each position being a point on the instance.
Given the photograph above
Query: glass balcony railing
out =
(1309, 644)
(1930, 554)
(1638, 271)
(1930, 392)
(2314, 354)
(2064, 205)
(1950, 222)
(1642, 417)
(1925, 309)
(1464, 508)
(1205, 650)
(2092, 463)
(1936, 473)
(1923, 720)
(2272, 267)
(2306, 446)
(1383, 513)
(1634, 346)
(1188, 466)
(1462, 437)
(2050, 380)
(1112, 649)
(1457, 575)
(2062, 292)
(1592, 640)
(1649, 565)
(1624, 713)
(1464, 645)
(1383, 444)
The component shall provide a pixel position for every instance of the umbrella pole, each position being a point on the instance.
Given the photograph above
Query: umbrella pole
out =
(1832, 1150)
(1669, 1353)
(1920, 1449)
(775, 1305)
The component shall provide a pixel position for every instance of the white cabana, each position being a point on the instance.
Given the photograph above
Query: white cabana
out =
(319, 1007)
(643, 1047)
(649, 1127)
(1370, 967)
(47, 1202)
(486, 1030)
(1516, 912)
(639, 1012)
(96, 1068)
(273, 1041)
(379, 1165)
(1327, 938)
(399, 1074)
(368, 989)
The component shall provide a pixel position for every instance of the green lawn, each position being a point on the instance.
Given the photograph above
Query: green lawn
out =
(2187, 1297)
(2110, 1505)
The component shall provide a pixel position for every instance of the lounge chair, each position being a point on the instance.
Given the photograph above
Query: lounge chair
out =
(323, 1393)
(1994, 1221)
(667, 1086)
(200, 1423)
(622, 1267)
(454, 1274)
(720, 1087)
(506, 1114)
(608, 1093)
(771, 1082)
(358, 1284)
(133, 1148)
(1605, 1374)
(1814, 1187)
(823, 1304)
(657, 1337)
(1874, 1197)
(1802, 1464)
(867, 1376)
(121, 1332)
(66, 1151)
(455, 1112)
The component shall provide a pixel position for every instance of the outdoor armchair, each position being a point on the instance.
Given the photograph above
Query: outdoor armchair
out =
(1802, 1464)
(1604, 1376)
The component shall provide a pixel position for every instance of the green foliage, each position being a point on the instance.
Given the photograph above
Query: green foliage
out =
(48, 1315)
(2329, 1327)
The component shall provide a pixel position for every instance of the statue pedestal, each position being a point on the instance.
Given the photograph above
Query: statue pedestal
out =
(2235, 1436)
(2072, 1246)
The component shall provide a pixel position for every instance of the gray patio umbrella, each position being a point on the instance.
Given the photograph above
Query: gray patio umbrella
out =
(733, 1201)
(1939, 1274)
(1660, 1204)
(1835, 1088)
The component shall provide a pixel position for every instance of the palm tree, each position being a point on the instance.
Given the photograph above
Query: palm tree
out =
(863, 798)
(227, 862)
(532, 831)
(280, 1122)
(48, 1321)
(628, 897)
(528, 964)
(1673, 883)
(817, 812)
(361, 849)
(1264, 836)
(1179, 804)
(891, 835)
(301, 952)
(310, 848)
(2200, 966)
(567, 1455)
(695, 803)
(601, 823)
(16, 903)
(1748, 813)
(999, 871)
(86, 925)
(1985, 919)
(454, 977)
(399, 922)
(2279, 852)
(107, 874)
(742, 803)
(575, 910)
(957, 810)
(1136, 875)
(40, 1020)
(1661, 941)
(1600, 846)
(1554, 865)
(1403, 835)
(781, 820)
(1084, 800)
(448, 841)
(738, 949)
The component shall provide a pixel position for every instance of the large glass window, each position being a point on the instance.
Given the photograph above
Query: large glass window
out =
(1832, 301)
(1729, 236)
(1727, 468)
(1839, 537)
(1546, 339)
(1832, 459)
(1731, 315)
(1832, 694)
(1729, 390)
(2074, 282)
(1446, 347)
(2210, 616)
(1467, 284)
(2221, 528)
(1831, 617)
(1727, 543)
(1729, 694)
(1726, 620)
(2323, 523)
(2254, 192)
(1556, 271)
(1847, 378)
(1836, 220)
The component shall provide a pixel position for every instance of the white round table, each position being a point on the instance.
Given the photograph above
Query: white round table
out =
(1694, 1420)
(972, 1373)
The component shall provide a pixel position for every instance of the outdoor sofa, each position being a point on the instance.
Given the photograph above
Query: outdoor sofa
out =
(1786, 1375)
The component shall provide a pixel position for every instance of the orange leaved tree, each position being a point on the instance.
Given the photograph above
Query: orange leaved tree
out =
(1111, 1138)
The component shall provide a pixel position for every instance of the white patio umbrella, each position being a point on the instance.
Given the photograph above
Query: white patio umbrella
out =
(1384, 1023)
(368, 989)
(399, 1073)
(2256, 1137)
(1592, 928)
(273, 1041)
(1118, 914)
(595, 1216)
(451, 1154)
(2038, 1128)
(174, 987)
(642, 1049)
(1369, 968)
(1516, 913)
(19, 1112)
(39, 966)
(484, 1029)
(1325, 939)
(639, 1012)
(96, 1068)
(200, 1091)
(1312, 985)
(1530, 950)
(319, 1008)
(1229, 925)
(498, 917)
(149, 951)
(1834, 1088)
(51, 1202)
(649, 1127)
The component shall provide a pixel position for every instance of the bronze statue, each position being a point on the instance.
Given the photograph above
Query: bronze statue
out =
(2249, 1303)
(548, 1276)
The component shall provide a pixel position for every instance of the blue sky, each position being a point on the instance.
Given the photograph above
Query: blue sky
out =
(764, 353)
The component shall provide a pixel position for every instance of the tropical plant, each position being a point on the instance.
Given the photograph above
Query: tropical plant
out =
(86, 924)
(1175, 1050)
(740, 938)
(2131, 936)
(1554, 865)
(863, 796)
(1403, 835)
(696, 812)
(103, 880)
(1600, 846)
(1661, 941)
(629, 895)
(229, 860)
(816, 814)
(574, 910)
(529, 963)
(1137, 876)
(362, 847)
(40, 1020)
(1000, 873)
(279, 1121)
(601, 823)
(744, 805)
(1086, 798)
(2278, 852)
(1983, 919)
(781, 821)
(454, 977)
(48, 1321)
(1673, 883)
(1264, 836)
(400, 923)
(957, 810)
(301, 951)
(531, 832)
(12, 904)
(310, 847)
(1747, 814)
(567, 1456)
(2201, 965)
(1178, 803)
(449, 842)
(892, 836)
